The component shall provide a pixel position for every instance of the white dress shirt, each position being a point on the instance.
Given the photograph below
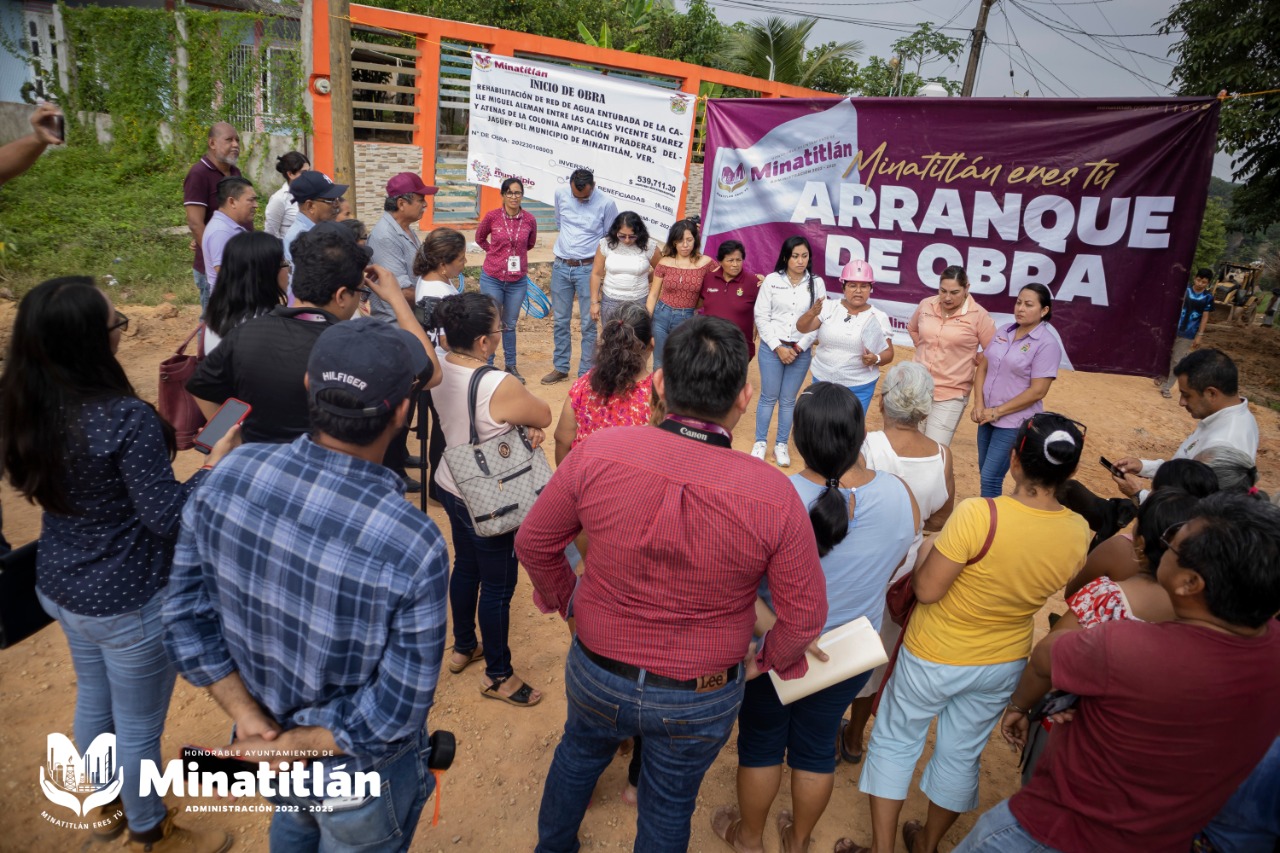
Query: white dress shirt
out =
(1233, 426)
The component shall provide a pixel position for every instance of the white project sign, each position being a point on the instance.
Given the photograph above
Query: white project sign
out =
(539, 122)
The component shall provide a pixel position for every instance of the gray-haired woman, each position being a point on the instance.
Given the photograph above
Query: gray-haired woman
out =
(906, 401)
(1235, 469)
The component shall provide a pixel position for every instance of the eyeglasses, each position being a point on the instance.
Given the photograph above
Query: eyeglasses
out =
(365, 294)
(514, 194)
(1166, 538)
(284, 265)
(122, 323)
(626, 237)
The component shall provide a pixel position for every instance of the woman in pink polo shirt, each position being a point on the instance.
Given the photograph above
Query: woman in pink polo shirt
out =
(949, 330)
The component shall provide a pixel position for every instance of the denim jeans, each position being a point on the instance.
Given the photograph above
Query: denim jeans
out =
(779, 385)
(994, 446)
(665, 320)
(566, 283)
(202, 285)
(381, 824)
(124, 680)
(864, 393)
(510, 295)
(683, 733)
(998, 831)
(485, 570)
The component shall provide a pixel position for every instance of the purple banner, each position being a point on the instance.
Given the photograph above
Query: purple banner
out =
(1099, 200)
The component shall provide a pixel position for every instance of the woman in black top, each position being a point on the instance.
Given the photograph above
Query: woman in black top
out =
(76, 439)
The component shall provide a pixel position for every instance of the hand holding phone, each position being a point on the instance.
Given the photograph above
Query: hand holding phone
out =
(1110, 466)
(231, 414)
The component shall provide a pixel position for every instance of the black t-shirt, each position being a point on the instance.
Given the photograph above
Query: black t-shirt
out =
(263, 362)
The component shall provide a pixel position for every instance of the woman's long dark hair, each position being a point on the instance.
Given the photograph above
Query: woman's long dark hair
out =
(59, 359)
(829, 431)
(621, 355)
(629, 219)
(784, 257)
(676, 234)
(248, 282)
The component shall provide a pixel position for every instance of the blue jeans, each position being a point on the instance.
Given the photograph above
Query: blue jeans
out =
(998, 831)
(864, 393)
(683, 733)
(994, 446)
(380, 824)
(124, 680)
(510, 295)
(779, 385)
(566, 283)
(202, 285)
(665, 320)
(485, 570)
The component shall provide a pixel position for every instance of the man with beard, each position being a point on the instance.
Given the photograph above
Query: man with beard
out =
(200, 194)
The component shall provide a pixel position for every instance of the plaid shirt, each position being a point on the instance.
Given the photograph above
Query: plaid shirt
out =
(305, 571)
(681, 535)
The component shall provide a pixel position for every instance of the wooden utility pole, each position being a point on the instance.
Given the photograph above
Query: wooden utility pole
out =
(975, 49)
(344, 150)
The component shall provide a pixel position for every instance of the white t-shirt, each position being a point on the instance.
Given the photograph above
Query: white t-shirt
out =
(626, 272)
(843, 339)
(440, 290)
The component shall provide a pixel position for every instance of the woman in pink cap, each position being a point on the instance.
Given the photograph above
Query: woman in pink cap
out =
(853, 335)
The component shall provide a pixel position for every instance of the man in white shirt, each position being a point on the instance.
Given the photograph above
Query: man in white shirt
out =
(583, 215)
(1208, 388)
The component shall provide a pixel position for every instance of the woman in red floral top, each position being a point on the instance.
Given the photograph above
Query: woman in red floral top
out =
(677, 283)
(506, 235)
(615, 392)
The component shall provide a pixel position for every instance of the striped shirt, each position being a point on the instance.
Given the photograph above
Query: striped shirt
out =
(304, 570)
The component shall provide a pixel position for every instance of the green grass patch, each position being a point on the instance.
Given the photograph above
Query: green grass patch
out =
(80, 211)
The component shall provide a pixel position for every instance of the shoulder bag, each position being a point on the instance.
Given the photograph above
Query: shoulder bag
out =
(176, 404)
(900, 600)
(499, 479)
(20, 612)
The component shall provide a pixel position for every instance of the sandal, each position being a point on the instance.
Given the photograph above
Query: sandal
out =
(726, 823)
(1166, 393)
(846, 754)
(785, 822)
(847, 845)
(521, 698)
(476, 654)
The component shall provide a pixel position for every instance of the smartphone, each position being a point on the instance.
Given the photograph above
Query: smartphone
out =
(232, 412)
(1111, 468)
(58, 125)
(206, 761)
(1054, 702)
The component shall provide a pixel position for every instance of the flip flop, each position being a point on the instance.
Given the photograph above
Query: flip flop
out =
(847, 845)
(521, 698)
(845, 754)
(725, 823)
(785, 822)
(476, 654)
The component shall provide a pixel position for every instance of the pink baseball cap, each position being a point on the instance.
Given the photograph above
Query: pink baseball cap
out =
(408, 182)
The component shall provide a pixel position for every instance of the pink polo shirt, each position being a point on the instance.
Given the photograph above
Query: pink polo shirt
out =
(948, 346)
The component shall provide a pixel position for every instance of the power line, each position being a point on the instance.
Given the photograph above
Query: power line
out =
(1057, 28)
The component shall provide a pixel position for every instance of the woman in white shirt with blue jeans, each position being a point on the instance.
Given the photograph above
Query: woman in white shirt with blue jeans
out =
(785, 294)
(853, 335)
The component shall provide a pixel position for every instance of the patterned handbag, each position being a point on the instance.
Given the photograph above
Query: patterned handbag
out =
(499, 479)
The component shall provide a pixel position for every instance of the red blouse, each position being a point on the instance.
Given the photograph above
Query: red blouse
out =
(630, 408)
(681, 287)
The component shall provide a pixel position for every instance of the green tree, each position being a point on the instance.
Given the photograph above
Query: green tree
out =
(838, 75)
(1212, 244)
(695, 36)
(1234, 46)
(926, 46)
(638, 16)
(774, 49)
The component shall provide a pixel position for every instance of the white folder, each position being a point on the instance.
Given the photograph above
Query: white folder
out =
(852, 649)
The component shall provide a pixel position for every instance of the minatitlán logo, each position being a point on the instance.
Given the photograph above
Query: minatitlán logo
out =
(81, 782)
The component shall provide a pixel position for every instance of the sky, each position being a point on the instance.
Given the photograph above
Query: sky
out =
(1055, 48)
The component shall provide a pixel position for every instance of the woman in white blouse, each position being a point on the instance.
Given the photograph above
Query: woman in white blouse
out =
(785, 294)
(281, 208)
(623, 269)
(853, 336)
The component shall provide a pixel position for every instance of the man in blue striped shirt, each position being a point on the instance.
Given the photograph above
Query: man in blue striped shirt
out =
(309, 598)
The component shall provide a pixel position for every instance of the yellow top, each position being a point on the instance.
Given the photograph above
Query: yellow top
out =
(986, 615)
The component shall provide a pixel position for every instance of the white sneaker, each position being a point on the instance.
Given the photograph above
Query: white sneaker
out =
(757, 449)
(781, 456)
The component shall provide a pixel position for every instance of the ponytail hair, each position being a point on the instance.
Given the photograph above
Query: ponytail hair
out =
(829, 431)
(623, 350)
(1048, 447)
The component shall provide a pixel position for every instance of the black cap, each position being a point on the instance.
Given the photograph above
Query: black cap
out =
(373, 361)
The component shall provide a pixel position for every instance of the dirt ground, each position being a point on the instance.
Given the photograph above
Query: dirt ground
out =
(491, 797)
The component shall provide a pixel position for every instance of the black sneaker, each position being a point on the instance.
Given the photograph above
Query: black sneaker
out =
(516, 374)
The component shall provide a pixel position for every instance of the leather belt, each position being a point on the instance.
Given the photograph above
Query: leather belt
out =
(702, 684)
(579, 262)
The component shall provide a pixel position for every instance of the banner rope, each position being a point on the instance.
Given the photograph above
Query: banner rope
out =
(1223, 96)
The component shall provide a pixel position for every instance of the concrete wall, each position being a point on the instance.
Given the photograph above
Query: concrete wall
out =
(376, 163)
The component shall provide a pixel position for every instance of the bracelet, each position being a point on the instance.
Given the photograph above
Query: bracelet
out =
(877, 359)
(206, 467)
(1022, 711)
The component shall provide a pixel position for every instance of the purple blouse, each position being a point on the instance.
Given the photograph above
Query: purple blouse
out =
(1011, 365)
